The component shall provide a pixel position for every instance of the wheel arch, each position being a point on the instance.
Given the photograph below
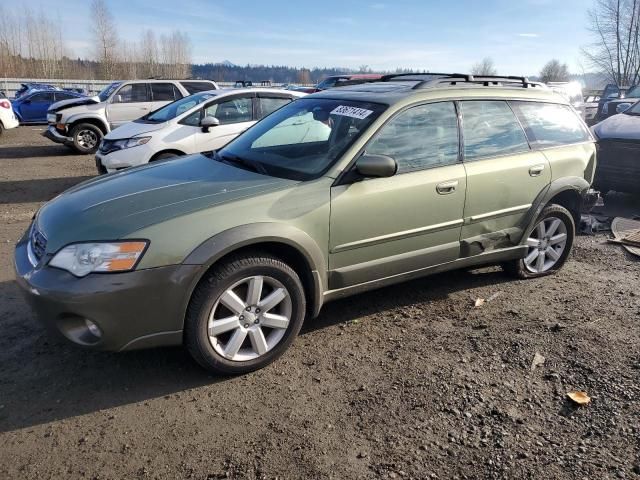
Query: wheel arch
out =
(91, 120)
(286, 242)
(568, 192)
(168, 150)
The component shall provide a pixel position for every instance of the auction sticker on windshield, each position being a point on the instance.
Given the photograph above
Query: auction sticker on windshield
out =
(354, 112)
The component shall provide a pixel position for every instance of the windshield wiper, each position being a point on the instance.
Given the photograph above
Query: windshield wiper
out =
(241, 162)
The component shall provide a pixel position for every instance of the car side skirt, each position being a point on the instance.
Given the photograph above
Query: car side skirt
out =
(486, 258)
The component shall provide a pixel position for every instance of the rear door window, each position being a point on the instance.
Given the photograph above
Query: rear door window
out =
(164, 92)
(271, 104)
(549, 124)
(491, 129)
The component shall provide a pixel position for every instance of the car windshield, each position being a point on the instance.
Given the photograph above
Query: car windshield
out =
(177, 108)
(302, 140)
(633, 110)
(106, 92)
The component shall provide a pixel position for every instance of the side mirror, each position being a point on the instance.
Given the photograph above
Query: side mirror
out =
(622, 107)
(377, 166)
(207, 122)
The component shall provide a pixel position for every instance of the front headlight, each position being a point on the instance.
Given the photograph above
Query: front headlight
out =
(130, 142)
(81, 259)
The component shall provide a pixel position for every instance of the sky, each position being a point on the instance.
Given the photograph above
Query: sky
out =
(520, 36)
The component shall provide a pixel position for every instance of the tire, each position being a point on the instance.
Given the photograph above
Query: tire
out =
(240, 334)
(532, 266)
(164, 156)
(86, 138)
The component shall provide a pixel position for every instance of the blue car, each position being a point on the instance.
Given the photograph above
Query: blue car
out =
(32, 107)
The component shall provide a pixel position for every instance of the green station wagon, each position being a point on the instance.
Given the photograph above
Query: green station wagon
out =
(343, 191)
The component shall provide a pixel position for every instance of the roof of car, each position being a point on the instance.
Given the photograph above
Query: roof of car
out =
(395, 91)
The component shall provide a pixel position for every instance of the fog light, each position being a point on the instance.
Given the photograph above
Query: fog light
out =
(93, 328)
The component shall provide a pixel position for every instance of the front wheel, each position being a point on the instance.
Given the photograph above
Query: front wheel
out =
(548, 243)
(86, 138)
(244, 314)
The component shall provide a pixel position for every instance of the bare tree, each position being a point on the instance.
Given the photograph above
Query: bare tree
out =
(484, 67)
(105, 37)
(554, 71)
(364, 69)
(149, 55)
(615, 26)
(175, 55)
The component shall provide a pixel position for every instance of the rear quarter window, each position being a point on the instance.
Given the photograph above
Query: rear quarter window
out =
(197, 87)
(550, 124)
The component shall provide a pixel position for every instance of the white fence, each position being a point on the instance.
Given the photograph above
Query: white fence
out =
(10, 85)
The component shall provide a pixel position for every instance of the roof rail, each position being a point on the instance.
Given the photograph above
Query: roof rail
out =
(462, 78)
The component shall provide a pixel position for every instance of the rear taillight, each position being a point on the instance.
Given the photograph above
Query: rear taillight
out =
(5, 104)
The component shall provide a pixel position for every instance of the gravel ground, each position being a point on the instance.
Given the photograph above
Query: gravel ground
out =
(410, 381)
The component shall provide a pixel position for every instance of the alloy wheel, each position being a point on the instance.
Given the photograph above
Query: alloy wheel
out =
(250, 318)
(546, 245)
(87, 139)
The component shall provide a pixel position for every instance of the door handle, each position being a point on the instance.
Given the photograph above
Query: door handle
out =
(446, 188)
(536, 170)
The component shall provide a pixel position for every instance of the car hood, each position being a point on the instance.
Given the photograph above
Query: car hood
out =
(72, 102)
(113, 206)
(132, 129)
(622, 126)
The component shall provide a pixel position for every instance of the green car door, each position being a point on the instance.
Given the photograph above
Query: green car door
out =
(504, 176)
(382, 227)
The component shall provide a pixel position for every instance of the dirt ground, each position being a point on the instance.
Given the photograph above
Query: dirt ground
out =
(406, 382)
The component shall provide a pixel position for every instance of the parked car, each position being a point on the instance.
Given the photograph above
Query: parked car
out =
(619, 105)
(82, 123)
(31, 87)
(591, 108)
(572, 91)
(243, 84)
(32, 107)
(230, 251)
(8, 119)
(619, 151)
(611, 93)
(197, 123)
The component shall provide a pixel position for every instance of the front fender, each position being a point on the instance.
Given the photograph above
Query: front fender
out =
(216, 247)
(80, 117)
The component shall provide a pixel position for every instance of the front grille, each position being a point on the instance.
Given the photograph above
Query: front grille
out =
(107, 146)
(618, 164)
(37, 243)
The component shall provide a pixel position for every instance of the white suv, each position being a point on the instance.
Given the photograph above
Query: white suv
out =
(81, 123)
(198, 123)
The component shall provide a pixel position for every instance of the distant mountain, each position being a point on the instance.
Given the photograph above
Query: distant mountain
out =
(227, 63)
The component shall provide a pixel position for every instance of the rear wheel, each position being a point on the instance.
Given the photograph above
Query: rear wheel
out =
(549, 244)
(86, 137)
(244, 314)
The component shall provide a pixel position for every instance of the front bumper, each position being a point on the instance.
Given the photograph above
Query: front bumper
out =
(618, 165)
(52, 134)
(138, 309)
(127, 157)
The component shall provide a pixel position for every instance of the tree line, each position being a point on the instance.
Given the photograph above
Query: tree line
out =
(32, 45)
